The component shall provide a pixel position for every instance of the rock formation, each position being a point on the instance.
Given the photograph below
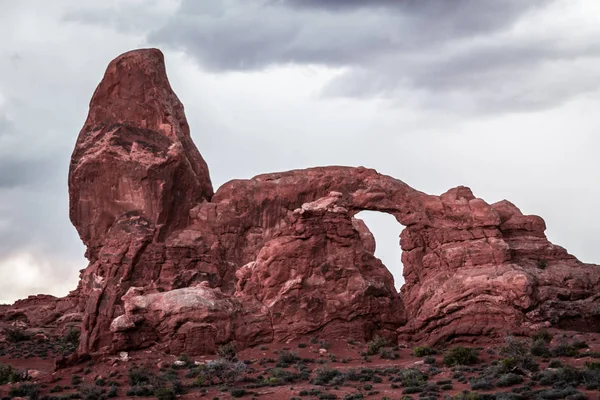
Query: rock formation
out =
(281, 256)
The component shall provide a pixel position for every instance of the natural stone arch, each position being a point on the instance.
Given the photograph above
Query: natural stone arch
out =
(385, 231)
(221, 263)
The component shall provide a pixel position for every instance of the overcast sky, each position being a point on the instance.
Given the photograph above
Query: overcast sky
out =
(498, 95)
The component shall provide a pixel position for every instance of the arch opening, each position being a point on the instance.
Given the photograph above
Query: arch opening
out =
(386, 231)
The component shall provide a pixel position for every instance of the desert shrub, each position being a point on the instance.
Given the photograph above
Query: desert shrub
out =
(460, 356)
(567, 374)
(113, 391)
(16, 335)
(388, 354)
(164, 394)
(430, 360)
(539, 348)
(466, 395)
(519, 364)
(327, 376)
(362, 375)
(508, 396)
(568, 349)
(76, 380)
(178, 387)
(411, 377)
(9, 374)
(355, 396)
(92, 393)
(542, 334)
(422, 351)
(56, 389)
(238, 392)
(141, 391)
(514, 347)
(287, 358)
(326, 396)
(481, 383)
(282, 376)
(138, 376)
(555, 364)
(375, 345)
(590, 377)
(221, 370)
(593, 365)
(72, 336)
(227, 351)
(559, 393)
(29, 390)
(542, 264)
(509, 379)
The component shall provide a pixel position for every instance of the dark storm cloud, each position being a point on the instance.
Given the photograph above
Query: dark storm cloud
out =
(255, 34)
(462, 55)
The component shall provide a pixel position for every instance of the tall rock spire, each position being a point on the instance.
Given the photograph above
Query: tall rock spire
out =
(135, 153)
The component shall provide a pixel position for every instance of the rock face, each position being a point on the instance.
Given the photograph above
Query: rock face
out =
(281, 256)
(135, 153)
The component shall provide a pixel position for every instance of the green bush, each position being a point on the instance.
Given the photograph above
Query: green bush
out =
(482, 383)
(76, 380)
(138, 376)
(221, 370)
(509, 380)
(540, 348)
(555, 364)
(72, 336)
(9, 374)
(287, 358)
(29, 390)
(593, 365)
(113, 391)
(542, 334)
(375, 345)
(388, 354)
(566, 350)
(412, 377)
(422, 351)
(514, 347)
(141, 391)
(238, 392)
(164, 394)
(460, 356)
(430, 360)
(326, 376)
(228, 351)
(91, 393)
(16, 335)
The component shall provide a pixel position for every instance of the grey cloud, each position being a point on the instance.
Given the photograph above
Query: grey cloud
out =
(19, 172)
(517, 76)
(253, 34)
(457, 55)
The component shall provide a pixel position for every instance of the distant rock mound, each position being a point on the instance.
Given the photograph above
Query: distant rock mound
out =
(281, 256)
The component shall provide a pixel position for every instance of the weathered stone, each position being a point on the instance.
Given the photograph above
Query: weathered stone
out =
(281, 256)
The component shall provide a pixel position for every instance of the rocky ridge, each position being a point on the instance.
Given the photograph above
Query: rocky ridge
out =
(176, 267)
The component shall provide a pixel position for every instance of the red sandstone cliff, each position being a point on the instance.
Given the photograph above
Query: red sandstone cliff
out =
(281, 255)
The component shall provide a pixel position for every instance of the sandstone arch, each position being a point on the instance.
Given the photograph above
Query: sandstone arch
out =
(279, 256)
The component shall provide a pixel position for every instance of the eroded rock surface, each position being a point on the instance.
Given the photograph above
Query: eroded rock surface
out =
(281, 256)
